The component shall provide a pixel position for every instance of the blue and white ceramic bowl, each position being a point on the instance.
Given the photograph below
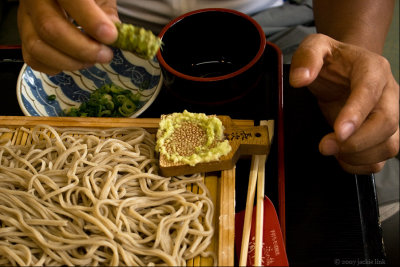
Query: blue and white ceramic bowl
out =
(72, 88)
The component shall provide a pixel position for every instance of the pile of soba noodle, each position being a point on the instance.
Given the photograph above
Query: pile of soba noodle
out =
(74, 197)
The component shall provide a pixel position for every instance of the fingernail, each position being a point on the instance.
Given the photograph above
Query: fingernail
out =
(346, 130)
(329, 147)
(299, 75)
(104, 55)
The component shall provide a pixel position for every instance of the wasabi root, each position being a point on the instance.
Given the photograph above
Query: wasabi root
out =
(137, 40)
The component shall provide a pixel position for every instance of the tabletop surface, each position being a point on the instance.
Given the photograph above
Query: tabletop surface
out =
(331, 216)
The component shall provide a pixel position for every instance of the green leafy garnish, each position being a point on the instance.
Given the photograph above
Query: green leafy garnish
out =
(107, 101)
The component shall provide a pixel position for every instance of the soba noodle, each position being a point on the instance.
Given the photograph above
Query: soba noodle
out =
(93, 197)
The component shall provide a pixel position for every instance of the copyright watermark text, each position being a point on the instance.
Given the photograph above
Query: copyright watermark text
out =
(359, 262)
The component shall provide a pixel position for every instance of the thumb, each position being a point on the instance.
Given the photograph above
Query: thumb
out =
(308, 59)
(328, 145)
(110, 8)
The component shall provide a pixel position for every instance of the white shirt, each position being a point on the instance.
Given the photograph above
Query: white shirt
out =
(157, 13)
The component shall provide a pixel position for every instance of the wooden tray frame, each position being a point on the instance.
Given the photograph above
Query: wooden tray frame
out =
(224, 236)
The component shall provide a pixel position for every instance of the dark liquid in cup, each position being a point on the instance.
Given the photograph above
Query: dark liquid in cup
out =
(212, 68)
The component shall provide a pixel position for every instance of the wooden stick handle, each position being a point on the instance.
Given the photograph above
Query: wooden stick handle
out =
(248, 140)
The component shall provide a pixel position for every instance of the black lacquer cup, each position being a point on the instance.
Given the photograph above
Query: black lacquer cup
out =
(212, 56)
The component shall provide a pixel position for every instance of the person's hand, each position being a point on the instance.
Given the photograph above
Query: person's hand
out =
(359, 97)
(52, 43)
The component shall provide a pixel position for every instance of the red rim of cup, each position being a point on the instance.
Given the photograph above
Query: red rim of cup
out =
(260, 52)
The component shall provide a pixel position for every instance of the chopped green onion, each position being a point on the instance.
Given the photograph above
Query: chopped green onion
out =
(127, 108)
(107, 101)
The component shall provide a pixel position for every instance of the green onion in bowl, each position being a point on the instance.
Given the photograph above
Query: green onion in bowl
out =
(107, 101)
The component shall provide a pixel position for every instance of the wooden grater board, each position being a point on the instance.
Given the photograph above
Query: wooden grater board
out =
(220, 184)
(250, 140)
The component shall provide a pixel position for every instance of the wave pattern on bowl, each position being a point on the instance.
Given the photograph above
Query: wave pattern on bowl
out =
(72, 88)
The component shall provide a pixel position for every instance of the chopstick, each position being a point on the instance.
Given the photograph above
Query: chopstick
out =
(260, 210)
(257, 176)
(249, 210)
(260, 205)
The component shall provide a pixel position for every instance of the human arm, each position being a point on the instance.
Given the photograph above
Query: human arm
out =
(363, 23)
(52, 43)
(353, 84)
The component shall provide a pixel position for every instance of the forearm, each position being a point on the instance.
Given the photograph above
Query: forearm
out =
(363, 23)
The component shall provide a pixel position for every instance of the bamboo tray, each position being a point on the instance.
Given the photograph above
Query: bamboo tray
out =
(220, 184)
